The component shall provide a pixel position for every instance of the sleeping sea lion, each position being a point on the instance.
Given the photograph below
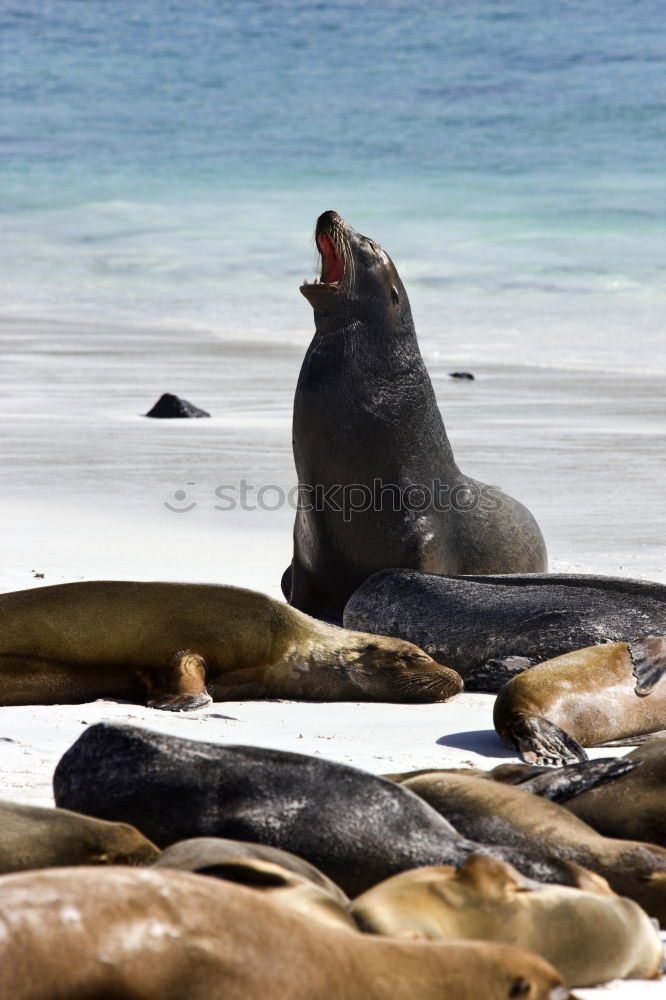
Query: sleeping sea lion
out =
(177, 644)
(121, 933)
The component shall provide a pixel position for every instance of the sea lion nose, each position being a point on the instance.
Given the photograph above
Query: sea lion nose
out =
(328, 219)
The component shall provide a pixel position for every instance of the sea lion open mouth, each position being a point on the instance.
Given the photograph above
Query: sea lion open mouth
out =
(331, 240)
(332, 264)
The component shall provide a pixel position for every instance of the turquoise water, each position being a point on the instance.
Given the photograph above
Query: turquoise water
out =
(163, 163)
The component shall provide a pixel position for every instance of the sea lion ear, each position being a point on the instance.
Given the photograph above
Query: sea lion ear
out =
(491, 876)
(395, 295)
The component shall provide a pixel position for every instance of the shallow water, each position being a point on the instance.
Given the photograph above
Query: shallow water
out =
(164, 165)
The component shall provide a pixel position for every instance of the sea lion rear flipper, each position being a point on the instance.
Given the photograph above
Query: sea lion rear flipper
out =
(494, 674)
(573, 779)
(183, 687)
(648, 655)
(540, 741)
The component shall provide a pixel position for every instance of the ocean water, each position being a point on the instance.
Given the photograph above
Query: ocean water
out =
(162, 164)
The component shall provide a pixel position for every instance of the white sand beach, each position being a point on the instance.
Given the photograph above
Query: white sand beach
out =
(88, 480)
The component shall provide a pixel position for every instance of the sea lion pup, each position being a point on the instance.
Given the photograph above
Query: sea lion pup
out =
(589, 938)
(491, 628)
(206, 855)
(124, 933)
(362, 830)
(34, 837)
(591, 697)
(491, 813)
(177, 644)
(378, 483)
(634, 806)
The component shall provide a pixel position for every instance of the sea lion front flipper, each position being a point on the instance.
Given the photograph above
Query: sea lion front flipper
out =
(573, 779)
(540, 741)
(183, 687)
(648, 655)
(494, 674)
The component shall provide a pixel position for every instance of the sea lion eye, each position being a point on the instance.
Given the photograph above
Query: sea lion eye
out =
(519, 988)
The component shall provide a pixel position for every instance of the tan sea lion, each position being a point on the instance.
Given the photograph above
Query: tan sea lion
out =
(590, 697)
(493, 813)
(286, 878)
(589, 937)
(205, 854)
(121, 934)
(557, 784)
(634, 805)
(34, 837)
(174, 643)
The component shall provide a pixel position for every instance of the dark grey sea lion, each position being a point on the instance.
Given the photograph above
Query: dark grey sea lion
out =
(355, 827)
(491, 628)
(379, 486)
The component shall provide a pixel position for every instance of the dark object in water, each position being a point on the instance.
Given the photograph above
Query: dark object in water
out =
(463, 376)
(169, 405)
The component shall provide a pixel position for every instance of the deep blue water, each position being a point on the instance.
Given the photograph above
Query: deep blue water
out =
(165, 162)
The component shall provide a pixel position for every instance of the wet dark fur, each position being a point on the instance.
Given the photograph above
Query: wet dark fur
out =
(355, 827)
(365, 413)
(467, 623)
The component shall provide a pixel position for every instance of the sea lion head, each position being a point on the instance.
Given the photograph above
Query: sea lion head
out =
(358, 279)
(373, 660)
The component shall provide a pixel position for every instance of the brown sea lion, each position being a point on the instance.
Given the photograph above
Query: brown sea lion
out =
(205, 854)
(174, 643)
(34, 837)
(491, 812)
(557, 784)
(286, 888)
(378, 484)
(590, 697)
(634, 805)
(589, 937)
(123, 934)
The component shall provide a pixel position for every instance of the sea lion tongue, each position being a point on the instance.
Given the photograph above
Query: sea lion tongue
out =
(333, 268)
